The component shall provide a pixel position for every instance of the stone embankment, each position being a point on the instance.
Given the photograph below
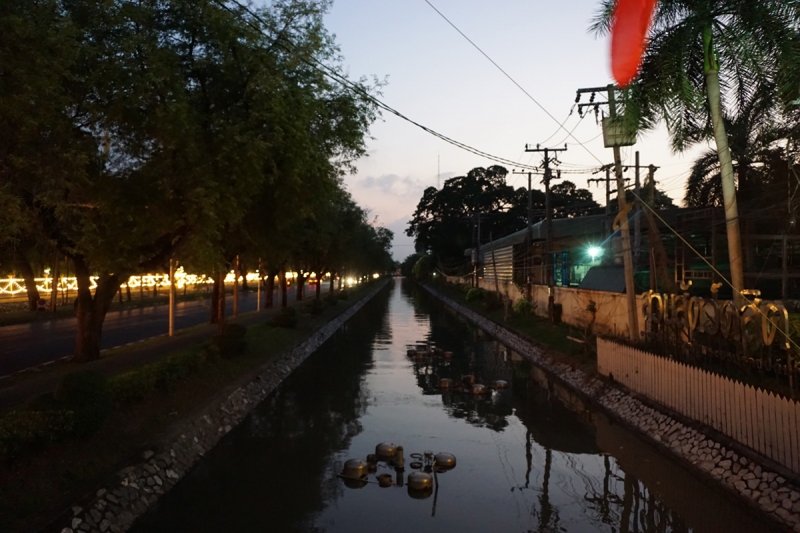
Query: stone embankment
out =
(137, 487)
(736, 470)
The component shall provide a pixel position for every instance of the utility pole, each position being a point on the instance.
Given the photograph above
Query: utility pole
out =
(615, 143)
(528, 239)
(609, 192)
(476, 249)
(548, 175)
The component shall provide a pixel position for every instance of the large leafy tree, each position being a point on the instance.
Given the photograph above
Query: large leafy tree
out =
(445, 222)
(704, 56)
(136, 131)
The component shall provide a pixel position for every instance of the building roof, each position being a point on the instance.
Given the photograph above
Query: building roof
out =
(570, 227)
(609, 278)
(562, 227)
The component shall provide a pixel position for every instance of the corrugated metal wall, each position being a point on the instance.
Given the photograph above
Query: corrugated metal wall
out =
(504, 257)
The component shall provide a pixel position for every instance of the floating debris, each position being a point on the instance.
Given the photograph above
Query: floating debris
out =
(355, 468)
(420, 481)
(445, 461)
(479, 388)
(385, 450)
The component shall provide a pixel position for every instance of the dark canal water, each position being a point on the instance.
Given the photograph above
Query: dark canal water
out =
(530, 458)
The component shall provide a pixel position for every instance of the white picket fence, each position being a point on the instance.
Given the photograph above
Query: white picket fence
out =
(763, 421)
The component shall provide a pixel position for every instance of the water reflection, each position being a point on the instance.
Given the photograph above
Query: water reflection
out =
(530, 458)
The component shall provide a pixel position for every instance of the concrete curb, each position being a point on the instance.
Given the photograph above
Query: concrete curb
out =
(115, 507)
(743, 476)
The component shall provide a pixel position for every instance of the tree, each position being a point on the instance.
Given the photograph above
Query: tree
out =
(445, 222)
(701, 53)
(133, 132)
(758, 160)
(408, 263)
(568, 201)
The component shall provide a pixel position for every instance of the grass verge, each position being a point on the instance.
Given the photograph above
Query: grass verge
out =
(557, 338)
(38, 484)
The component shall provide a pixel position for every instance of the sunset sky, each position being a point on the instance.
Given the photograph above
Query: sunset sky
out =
(436, 77)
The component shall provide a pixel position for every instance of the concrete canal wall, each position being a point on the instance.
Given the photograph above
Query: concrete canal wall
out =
(754, 479)
(138, 486)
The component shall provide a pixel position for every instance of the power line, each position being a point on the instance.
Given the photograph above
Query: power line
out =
(333, 74)
(507, 75)
(339, 78)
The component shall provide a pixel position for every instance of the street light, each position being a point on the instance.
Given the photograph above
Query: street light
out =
(595, 252)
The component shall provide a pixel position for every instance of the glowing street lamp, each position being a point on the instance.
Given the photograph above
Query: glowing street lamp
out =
(595, 252)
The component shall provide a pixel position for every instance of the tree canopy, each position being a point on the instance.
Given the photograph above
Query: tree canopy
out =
(445, 222)
(133, 132)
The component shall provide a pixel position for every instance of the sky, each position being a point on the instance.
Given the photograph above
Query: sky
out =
(437, 78)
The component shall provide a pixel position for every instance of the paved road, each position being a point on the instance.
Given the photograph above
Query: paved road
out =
(26, 345)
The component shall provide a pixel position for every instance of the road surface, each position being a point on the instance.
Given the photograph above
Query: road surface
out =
(26, 345)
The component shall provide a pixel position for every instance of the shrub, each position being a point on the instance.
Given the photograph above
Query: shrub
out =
(237, 331)
(86, 394)
(232, 342)
(523, 307)
(558, 310)
(137, 384)
(343, 295)
(315, 307)
(31, 430)
(475, 293)
(43, 402)
(133, 385)
(286, 318)
(331, 299)
(492, 301)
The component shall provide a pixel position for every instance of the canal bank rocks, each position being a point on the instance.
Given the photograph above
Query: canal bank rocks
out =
(736, 470)
(137, 487)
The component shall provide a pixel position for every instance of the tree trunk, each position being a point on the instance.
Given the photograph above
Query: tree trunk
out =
(54, 285)
(221, 304)
(269, 288)
(24, 267)
(333, 275)
(215, 301)
(243, 273)
(318, 289)
(128, 291)
(300, 284)
(282, 281)
(726, 168)
(91, 311)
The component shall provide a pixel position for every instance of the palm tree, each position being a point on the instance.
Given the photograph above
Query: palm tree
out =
(701, 51)
(753, 137)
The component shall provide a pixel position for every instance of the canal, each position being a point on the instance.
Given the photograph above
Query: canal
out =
(530, 457)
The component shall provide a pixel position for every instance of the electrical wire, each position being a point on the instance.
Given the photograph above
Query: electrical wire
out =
(342, 80)
(331, 73)
(713, 268)
(561, 126)
(507, 75)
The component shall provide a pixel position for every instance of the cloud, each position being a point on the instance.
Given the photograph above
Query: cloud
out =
(392, 184)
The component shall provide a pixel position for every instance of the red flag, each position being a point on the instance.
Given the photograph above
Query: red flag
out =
(631, 21)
